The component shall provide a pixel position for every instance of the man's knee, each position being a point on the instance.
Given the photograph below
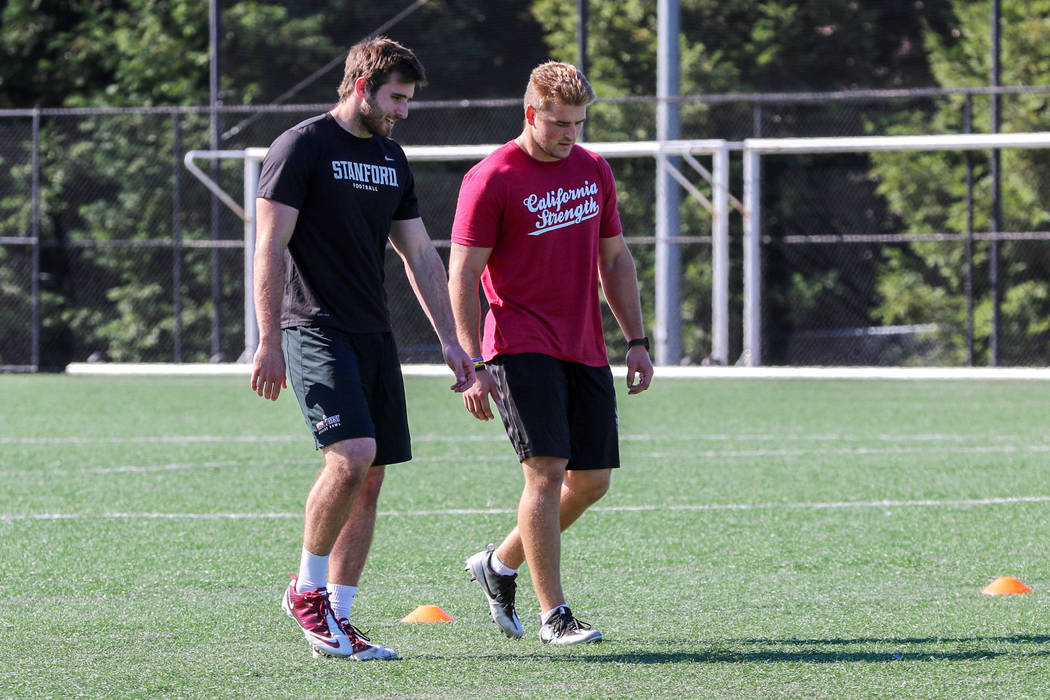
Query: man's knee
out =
(544, 474)
(350, 460)
(588, 486)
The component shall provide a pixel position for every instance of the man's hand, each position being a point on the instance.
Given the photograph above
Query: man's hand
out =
(268, 371)
(461, 365)
(639, 369)
(476, 399)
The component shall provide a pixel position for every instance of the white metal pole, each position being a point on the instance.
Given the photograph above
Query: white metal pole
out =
(251, 327)
(720, 258)
(668, 330)
(752, 356)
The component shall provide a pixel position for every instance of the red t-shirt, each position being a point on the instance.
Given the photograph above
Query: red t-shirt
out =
(542, 221)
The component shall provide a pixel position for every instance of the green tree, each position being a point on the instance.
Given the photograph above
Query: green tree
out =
(745, 46)
(109, 178)
(926, 282)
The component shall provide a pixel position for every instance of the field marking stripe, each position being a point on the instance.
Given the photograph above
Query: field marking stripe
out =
(642, 437)
(181, 439)
(886, 503)
(861, 451)
(702, 454)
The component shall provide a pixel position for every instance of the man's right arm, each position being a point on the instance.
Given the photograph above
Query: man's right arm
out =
(465, 265)
(274, 224)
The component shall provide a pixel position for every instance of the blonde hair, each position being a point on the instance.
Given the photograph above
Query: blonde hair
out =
(375, 60)
(561, 83)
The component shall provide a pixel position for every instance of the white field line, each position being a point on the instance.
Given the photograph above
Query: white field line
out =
(439, 438)
(857, 451)
(189, 439)
(123, 469)
(701, 454)
(887, 503)
(175, 466)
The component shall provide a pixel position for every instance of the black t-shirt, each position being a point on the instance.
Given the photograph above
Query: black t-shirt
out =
(347, 190)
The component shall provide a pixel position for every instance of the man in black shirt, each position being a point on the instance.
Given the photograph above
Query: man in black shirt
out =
(333, 190)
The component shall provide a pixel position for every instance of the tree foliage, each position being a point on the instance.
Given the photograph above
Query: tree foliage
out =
(927, 282)
(747, 46)
(110, 179)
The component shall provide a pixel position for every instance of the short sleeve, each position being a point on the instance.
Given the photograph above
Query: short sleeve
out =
(479, 210)
(286, 169)
(611, 226)
(408, 207)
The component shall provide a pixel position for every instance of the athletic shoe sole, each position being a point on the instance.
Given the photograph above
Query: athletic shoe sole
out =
(373, 653)
(592, 637)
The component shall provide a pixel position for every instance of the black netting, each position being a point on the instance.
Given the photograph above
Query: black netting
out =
(121, 219)
(886, 259)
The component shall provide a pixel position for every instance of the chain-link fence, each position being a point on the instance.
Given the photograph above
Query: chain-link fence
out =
(111, 250)
(906, 258)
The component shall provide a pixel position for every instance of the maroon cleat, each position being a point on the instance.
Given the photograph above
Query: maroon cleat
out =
(313, 613)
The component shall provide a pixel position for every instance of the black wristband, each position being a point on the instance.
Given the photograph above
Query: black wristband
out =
(638, 341)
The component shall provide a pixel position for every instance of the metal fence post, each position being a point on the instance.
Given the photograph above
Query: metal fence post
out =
(752, 355)
(968, 119)
(668, 195)
(176, 234)
(251, 327)
(35, 280)
(720, 257)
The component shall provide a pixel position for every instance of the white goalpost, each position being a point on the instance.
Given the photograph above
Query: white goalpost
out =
(717, 205)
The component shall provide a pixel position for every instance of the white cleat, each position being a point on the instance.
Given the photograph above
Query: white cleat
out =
(499, 592)
(563, 629)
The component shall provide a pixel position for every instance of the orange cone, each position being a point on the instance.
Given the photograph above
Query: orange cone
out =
(427, 613)
(1005, 585)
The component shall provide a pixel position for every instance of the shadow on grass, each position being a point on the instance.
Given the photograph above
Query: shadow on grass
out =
(825, 650)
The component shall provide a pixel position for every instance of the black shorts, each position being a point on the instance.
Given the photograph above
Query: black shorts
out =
(553, 408)
(349, 385)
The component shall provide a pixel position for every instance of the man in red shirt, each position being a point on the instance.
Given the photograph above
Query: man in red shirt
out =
(537, 226)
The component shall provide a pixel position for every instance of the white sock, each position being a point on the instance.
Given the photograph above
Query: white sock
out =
(342, 599)
(499, 567)
(313, 570)
(550, 613)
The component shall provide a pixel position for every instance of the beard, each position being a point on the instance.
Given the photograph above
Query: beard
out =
(374, 120)
(554, 149)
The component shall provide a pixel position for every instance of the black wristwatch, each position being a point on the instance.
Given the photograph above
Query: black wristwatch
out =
(638, 341)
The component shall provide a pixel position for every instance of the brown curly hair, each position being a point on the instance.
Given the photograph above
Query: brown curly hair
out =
(375, 60)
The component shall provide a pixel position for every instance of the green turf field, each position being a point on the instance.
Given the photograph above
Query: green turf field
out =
(765, 538)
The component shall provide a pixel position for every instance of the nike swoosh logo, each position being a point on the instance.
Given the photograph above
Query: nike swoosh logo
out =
(333, 643)
(388, 158)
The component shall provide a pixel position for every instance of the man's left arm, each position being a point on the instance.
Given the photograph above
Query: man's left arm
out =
(426, 274)
(620, 284)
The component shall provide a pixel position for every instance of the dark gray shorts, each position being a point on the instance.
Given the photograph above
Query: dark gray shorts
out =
(553, 408)
(349, 385)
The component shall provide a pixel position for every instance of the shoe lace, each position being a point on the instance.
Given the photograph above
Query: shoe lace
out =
(318, 604)
(357, 637)
(565, 622)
